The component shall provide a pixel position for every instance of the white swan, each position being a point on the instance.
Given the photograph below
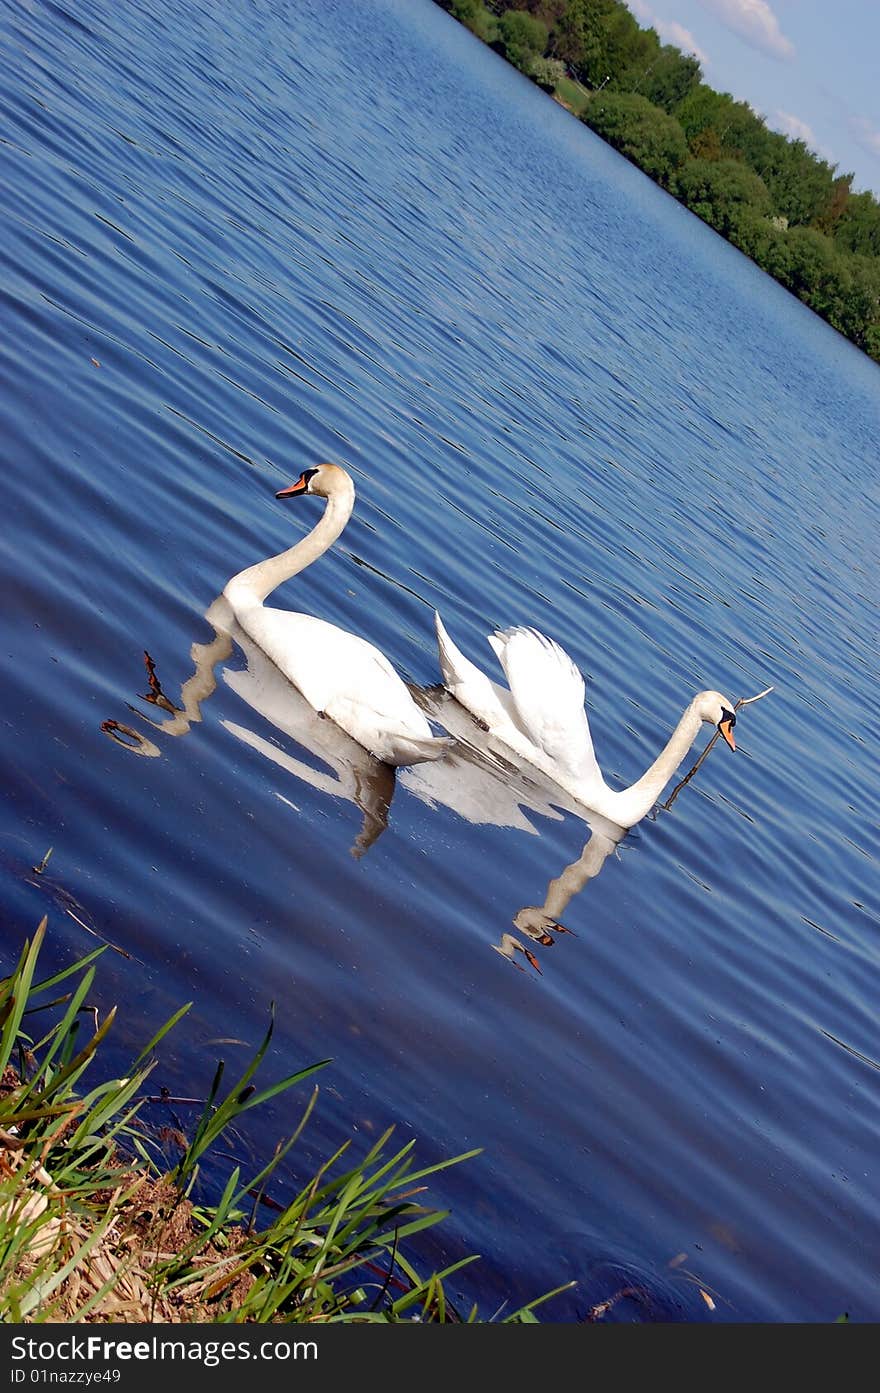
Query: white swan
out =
(342, 676)
(542, 719)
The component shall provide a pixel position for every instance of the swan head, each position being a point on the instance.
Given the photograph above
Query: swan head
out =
(717, 711)
(322, 479)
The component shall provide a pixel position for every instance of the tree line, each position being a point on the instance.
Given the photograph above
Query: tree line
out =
(768, 194)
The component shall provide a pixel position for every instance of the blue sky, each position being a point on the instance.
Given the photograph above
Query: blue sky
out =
(811, 68)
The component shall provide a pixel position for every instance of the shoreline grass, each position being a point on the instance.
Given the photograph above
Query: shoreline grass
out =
(93, 1228)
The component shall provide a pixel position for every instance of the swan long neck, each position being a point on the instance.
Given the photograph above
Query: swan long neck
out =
(630, 804)
(251, 587)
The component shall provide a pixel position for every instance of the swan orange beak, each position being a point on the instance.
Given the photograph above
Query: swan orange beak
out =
(726, 728)
(294, 490)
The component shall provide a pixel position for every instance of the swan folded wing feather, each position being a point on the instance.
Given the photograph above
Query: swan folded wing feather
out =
(380, 732)
(347, 678)
(548, 693)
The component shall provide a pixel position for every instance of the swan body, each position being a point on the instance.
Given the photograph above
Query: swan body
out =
(341, 675)
(540, 716)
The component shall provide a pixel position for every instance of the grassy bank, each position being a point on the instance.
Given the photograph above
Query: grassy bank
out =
(571, 95)
(95, 1227)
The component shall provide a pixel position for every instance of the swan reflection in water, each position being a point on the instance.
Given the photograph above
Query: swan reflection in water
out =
(350, 771)
(501, 787)
(537, 921)
(473, 778)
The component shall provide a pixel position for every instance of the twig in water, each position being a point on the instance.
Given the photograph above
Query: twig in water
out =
(89, 930)
(743, 701)
(603, 1307)
(38, 870)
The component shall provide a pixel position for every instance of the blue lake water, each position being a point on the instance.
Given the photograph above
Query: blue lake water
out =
(241, 239)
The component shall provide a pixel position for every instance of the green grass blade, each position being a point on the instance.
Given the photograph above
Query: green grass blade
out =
(13, 1004)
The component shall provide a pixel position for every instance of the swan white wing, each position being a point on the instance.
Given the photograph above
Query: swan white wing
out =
(548, 693)
(349, 680)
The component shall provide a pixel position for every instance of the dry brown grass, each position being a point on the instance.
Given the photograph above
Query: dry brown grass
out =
(124, 1275)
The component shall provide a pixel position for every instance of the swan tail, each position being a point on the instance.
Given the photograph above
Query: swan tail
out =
(466, 683)
(455, 667)
(548, 692)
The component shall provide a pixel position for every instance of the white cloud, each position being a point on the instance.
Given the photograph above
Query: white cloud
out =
(797, 129)
(670, 31)
(865, 134)
(793, 126)
(674, 33)
(755, 22)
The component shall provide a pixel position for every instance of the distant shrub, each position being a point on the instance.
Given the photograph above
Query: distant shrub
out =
(724, 193)
(521, 39)
(547, 72)
(762, 240)
(641, 131)
(474, 16)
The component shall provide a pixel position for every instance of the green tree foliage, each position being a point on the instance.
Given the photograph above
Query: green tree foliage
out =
(802, 187)
(669, 79)
(474, 15)
(581, 39)
(858, 228)
(547, 72)
(570, 36)
(800, 184)
(764, 240)
(712, 117)
(628, 47)
(631, 51)
(836, 204)
(549, 12)
(639, 130)
(704, 109)
(724, 193)
(859, 309)
(600, 40)
(521, 39)
(816, 272)
(706, 145)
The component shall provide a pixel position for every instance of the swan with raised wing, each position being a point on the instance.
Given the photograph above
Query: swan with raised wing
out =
(541, 718)
(341, 675)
